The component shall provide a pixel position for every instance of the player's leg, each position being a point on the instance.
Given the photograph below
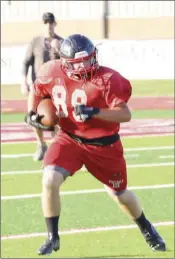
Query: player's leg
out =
(41, 147)
(116, 187)
(108, 166)
(61, 160)
(54, 133)
(130, 205)
(51, 206)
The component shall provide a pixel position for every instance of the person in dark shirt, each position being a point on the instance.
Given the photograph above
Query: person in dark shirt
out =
(40, 50)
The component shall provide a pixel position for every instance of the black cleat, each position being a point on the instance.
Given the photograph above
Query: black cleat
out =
(153, 239)
(49, 246)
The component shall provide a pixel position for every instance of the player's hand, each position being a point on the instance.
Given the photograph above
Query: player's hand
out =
(34, 120)
(85, 112)
(25, 89)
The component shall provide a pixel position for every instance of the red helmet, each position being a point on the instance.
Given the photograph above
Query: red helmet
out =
(79, 57)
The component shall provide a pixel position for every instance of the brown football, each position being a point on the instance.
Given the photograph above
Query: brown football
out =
(48, 110)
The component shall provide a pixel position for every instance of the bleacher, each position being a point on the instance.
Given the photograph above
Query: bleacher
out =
(27, 11)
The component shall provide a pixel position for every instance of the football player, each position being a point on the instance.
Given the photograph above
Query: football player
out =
(91, 102)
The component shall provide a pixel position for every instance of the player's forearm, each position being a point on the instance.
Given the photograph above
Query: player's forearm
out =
(114, 115)
(33, 101)
(24, 79)
(25, 68)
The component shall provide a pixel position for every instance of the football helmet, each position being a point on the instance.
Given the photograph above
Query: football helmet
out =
(79, 57)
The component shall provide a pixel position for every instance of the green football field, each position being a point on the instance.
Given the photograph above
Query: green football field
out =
(139, 87)
(91, 224)
(85, 205)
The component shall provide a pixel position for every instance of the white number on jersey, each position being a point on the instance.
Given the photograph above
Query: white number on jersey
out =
(78, 97)
(59, 96)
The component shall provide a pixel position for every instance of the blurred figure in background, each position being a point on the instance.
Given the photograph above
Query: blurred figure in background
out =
(40, 50)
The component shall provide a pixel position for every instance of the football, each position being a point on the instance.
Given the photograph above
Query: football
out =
(48, 110)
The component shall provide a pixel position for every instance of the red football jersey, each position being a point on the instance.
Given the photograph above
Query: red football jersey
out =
(107, 89)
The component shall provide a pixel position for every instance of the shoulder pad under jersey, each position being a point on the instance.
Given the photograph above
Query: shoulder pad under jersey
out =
(49, 71)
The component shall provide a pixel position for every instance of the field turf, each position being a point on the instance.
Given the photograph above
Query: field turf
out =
(91, 224)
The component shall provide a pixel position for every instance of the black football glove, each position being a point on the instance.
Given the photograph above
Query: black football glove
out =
(85, 112)
(34, 119)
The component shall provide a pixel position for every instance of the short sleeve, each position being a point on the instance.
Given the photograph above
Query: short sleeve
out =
(38, 88)
(41, 88)
(43, 81)
(119, 90)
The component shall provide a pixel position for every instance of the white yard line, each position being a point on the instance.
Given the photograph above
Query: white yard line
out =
(86, 230)
(153, 96)
(122, 137)
(16, 155)
(150, 165)
(132, 155)
(164, 157)
(84, 169)
(149, 135)
(126, 150)
(148, 148)
(21, 142)
(63, 193)
(21, 172)
(30, 155)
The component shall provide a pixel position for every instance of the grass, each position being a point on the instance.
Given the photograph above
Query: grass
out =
(89, 214)
(96, 245)
(135, 157)
(153, 87)
(11, 184)
(21, 216)
(143, 114)
(145, 141)
(140, 88)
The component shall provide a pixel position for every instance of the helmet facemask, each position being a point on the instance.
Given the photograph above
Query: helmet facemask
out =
(81, 68)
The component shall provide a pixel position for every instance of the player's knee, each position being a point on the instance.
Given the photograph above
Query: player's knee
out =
(118, 193)
(53, 177)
